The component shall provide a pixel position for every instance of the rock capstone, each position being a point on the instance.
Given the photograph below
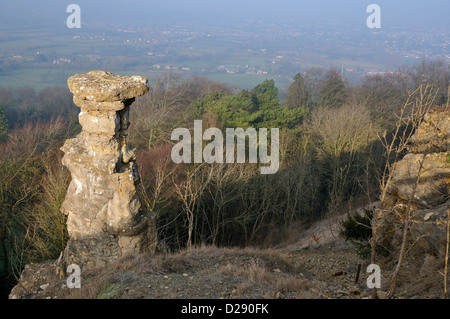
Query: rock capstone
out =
(103, 86)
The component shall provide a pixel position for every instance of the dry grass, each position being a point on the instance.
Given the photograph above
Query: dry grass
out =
(258, 273)
(208, 270)
(422, 275)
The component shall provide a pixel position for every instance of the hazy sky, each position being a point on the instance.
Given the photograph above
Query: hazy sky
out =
(417, 13)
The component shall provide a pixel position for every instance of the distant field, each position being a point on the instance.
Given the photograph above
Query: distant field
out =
(246, 81)
(110, 51)
(37, 78)
(41, 78)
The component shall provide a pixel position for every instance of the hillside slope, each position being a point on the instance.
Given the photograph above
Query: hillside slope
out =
(309, 269)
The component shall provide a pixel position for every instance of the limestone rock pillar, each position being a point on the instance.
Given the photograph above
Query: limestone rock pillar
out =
(104, 220)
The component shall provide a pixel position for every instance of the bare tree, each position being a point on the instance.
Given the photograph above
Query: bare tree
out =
(189, 190)
(224, 188)
(341, 137)
(31, 188)
(406, 227)
(158, 112)
(409, 117)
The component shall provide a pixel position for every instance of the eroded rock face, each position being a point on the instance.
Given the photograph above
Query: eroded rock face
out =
(104, 220)
(433, 135)
(430, 201)
(103, 209)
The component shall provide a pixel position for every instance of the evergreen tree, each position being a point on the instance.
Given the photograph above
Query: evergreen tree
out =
(257, 108)
(298, 96)
(333, 92)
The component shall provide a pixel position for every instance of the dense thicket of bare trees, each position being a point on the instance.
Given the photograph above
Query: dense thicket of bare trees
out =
(33, 184)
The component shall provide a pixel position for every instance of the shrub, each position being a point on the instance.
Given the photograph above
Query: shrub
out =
(357, 230)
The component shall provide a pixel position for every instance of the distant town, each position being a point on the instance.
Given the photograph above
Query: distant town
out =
(225, 53)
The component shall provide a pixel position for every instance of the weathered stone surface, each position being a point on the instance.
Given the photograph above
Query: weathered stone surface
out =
(432, 187)
(98, 106)
(429, 202)
(78, 154)
(104, 219)
(104, 123)
(36, 276)
(429, 228)
(103, 86)
(433, 134)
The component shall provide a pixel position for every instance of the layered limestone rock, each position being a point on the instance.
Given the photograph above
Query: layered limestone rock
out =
(429, 201)
(104, 220)
(432, 136)
(102, 206)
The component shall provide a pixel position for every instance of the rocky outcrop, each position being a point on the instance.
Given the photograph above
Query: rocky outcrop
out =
(102, 206)
(432, 136)
(429, 201)
(104, 220)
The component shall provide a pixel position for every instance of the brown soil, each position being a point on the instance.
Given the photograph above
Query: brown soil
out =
(318, 265)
